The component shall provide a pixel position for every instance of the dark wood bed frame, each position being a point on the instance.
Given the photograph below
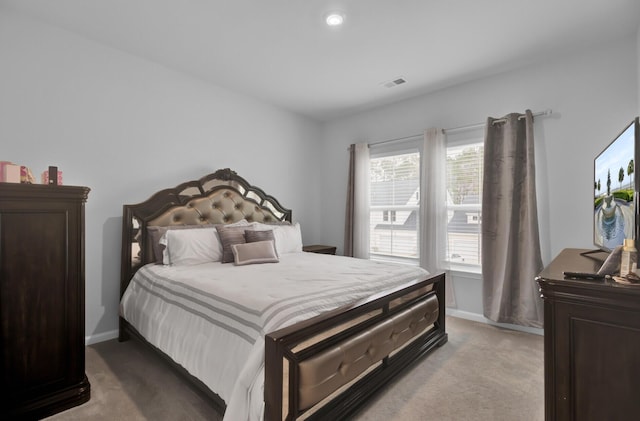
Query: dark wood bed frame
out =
(291, 352)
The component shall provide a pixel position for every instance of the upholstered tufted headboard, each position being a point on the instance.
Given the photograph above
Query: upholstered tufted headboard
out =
(219, 198)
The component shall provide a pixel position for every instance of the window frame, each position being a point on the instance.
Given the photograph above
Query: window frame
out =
(410, 146)
(466, 138)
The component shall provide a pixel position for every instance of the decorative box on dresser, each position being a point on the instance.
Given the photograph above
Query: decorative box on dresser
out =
(42, 348)
(591, 343)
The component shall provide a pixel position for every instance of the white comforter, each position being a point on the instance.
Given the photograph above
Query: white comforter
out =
(212, 318)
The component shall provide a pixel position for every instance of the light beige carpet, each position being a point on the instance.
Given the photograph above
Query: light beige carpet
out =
(482, 373)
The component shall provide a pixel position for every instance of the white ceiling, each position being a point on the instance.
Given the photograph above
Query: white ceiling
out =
(281, 52)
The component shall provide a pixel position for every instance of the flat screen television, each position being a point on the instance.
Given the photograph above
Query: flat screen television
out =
(616, 209)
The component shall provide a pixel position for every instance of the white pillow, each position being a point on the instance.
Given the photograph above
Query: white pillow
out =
(259, 226)
(191, 247)
(288, 238)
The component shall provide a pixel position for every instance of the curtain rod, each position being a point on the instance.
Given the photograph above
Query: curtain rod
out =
(461, 128)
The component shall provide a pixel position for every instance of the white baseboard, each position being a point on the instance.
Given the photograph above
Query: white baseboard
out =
(100, 337)
(481, 319)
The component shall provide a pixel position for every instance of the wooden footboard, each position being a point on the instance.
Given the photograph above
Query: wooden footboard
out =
(326, 367)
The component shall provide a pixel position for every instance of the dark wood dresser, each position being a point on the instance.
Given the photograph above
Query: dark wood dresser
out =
(42, 348)
(592, 343)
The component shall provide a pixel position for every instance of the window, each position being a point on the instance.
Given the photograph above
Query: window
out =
(464, 201)
(394, 205)
(385, 216)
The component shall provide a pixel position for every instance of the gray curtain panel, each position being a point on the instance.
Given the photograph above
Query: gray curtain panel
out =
(510, 241)
(349, 217)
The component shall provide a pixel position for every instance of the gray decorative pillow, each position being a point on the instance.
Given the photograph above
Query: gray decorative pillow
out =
(256, 252)
(251, 236)
(230, 236)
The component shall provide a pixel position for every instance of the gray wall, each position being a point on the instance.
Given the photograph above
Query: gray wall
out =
(592, 93)
(126, 127)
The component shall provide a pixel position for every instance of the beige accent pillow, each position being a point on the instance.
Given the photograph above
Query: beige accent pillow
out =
(257, 252)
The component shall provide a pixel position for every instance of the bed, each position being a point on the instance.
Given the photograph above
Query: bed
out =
(298, 336)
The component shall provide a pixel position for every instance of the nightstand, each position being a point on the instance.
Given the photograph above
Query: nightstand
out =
(317, 248)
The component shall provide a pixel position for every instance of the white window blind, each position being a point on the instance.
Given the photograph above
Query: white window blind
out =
(464, 201)
(395, 187)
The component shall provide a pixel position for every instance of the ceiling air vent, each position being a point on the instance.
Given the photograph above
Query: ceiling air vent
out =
(394, 82)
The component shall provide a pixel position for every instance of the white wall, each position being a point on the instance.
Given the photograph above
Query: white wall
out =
(127, 127)
(593, 95)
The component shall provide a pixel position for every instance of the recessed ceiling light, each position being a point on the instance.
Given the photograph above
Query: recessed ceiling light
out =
(334, 19)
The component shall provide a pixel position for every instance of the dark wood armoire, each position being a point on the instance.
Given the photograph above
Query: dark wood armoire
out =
(42, 350)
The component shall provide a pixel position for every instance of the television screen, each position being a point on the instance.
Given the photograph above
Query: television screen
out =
(615, 216)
